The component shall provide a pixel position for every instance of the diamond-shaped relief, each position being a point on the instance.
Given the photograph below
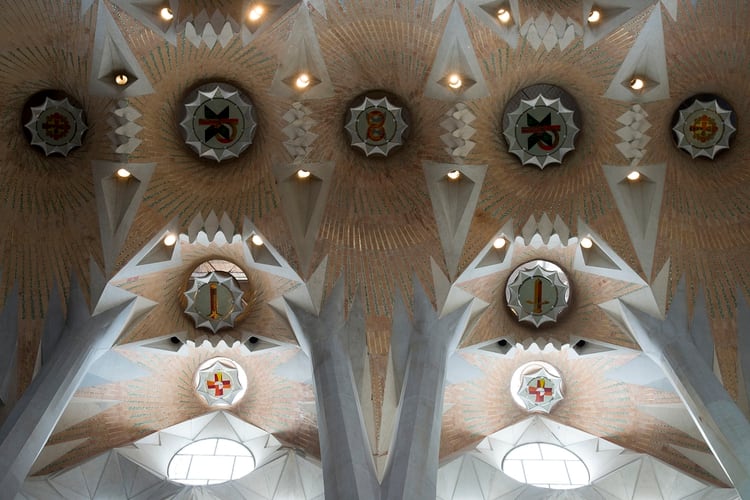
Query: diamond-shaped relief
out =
(124, 128)
(557, 32)
(633, 134)
(457, 123)
(298, 131)
(210, 30)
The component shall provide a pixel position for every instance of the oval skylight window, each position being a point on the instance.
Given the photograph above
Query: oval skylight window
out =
(546, 465)
(210, 461)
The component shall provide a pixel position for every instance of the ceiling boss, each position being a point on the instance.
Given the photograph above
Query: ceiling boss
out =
(540, 125)
(219, 121)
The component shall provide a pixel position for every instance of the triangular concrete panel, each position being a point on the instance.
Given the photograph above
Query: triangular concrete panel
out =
(641, 371)
(601, 260)
(117, 203)
(486, 11)
(490, 259)
(265, 257)
(705, 460)
(113, 367)
(52, 452)
(647, 59)
(135, 478)
(148, 13)
(675, 415)
(622, 482)
(302, 55)
(275, 10)
(80, 409)
(303, 203)
(154, 256)
(639, 203)
(453, 203)
(112, 55)
(614, 13)
(455, 54)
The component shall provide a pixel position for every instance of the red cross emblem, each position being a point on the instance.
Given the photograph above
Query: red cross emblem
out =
(703, 128)
(219, 383)
(56, 126)
(540, 389)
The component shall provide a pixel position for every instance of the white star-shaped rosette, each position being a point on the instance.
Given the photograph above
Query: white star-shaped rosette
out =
(220, 383)
(530, 271)
(225, 320)
(540, 390)
(61, 133)
(398, 123)
(721, 117)
(215, 91)
(569, 135)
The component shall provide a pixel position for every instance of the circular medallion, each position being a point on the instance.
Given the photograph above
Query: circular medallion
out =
(219, 121)
(214, 301)
(536, 386)
(377, 124)
(537, 292)
(541, 126)
(703, 125)
(220, 381)
(55, 125)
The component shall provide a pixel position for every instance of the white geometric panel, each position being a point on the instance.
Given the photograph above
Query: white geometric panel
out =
(639, 203)
(302, 54)
(495, 256)
(614, 13)
(209, 29)
(458, 125)
(262, 255)
(633, 134)
(298, 131)
(112, 55)
(453, 203)
(117, 202)
(550, 33)
(455, 55)
(124, 133)
(544, 232)
(80, 409)
(154, 256)
(601, 260)
(274, 10)
(647, 59)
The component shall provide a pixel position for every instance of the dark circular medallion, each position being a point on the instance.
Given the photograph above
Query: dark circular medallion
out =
(377, 123)
(54, 122)
(703, 125)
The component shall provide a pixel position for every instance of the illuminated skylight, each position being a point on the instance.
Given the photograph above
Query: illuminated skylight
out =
(210, 461)
(546, 465)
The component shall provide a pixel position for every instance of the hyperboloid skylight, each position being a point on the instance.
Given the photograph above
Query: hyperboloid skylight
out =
(546, 465)
(210, 461)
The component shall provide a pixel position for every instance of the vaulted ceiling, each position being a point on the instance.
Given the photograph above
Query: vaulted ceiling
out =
(386, 227)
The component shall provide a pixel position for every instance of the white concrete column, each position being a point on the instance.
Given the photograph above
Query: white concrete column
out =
(84, 338)
(669, 344)
(348, 467)
(412, 466)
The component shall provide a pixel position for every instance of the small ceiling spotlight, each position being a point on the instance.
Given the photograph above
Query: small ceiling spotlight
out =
(586, 242)
(303, 174)
(123, 173)
(637, 83)
(257, 240)
(634, 175)
(499, 242)
(302, 81)
(503, 15)
(121, 79)
(594, 16)
(454, 81)
(170, 239)
(166, 14)
(453, 175)
(256, 12)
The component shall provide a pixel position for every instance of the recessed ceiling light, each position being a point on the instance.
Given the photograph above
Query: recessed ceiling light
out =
(121, 79)
(123, 173)
(499, 242)
(637, 83)
(170, 239)
(166, 13)
(256, 12)
(503, 15)
(594, 16)
(454, 81)
(257, 240)
(586, 242)
(302, 81)
(453, 175)
(303, 174)
(634, 175)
